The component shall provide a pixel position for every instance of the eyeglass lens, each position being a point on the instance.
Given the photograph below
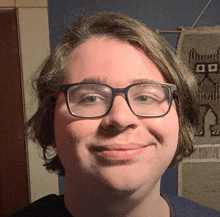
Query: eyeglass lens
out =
(93, 100)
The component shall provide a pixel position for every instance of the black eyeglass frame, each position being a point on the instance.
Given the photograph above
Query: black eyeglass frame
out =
(115, 91)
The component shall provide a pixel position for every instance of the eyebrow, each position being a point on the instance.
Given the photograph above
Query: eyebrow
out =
(104, 80)
(94, 80)
(142, 80)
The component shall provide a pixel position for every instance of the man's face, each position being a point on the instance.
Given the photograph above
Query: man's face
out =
(135, 150)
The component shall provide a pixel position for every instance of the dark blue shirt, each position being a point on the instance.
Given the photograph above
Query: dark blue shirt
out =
(53, 206)
(182, 207)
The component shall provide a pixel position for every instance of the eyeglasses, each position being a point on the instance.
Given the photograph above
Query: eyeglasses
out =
(93, 100)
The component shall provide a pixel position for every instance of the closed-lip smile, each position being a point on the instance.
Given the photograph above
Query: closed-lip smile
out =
(118, 152)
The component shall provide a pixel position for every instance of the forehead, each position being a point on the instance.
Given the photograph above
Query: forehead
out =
(111, 60)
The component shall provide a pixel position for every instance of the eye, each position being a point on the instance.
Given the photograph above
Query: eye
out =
(200, 68)
(142, 98)
(145, 98)
(90, 99)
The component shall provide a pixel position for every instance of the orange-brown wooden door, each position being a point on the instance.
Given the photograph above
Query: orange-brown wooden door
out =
(13, 164)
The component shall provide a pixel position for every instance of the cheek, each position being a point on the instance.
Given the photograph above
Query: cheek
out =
(68, 125)
(63, 142)
(171, 131)
(166, 130)
(71, 141)
(72, 135)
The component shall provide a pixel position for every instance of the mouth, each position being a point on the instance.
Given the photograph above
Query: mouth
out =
(119, 152)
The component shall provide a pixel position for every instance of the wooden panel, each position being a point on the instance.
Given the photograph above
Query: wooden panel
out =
(31, 3)
(7, 3)
(35, 47)
(13, 164)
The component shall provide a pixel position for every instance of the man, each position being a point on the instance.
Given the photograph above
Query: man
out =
(118, 106)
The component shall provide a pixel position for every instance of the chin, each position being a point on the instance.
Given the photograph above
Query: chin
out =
(126, 181)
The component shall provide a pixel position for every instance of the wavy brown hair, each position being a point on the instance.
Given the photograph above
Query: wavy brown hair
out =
(51, 74)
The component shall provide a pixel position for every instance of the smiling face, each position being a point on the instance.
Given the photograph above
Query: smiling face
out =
(119, 151)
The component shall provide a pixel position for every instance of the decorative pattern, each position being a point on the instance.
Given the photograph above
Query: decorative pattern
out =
(200, 47)
(198, 175)
(206, 68)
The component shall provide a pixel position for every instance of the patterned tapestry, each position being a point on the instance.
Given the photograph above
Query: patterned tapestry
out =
(199, 175)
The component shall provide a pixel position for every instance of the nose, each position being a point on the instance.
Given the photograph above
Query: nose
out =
(120, 116)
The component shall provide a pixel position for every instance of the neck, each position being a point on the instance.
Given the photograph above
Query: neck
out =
(95, 201)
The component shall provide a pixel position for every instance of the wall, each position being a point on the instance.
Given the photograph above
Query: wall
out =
(32, 18)
(162, 14)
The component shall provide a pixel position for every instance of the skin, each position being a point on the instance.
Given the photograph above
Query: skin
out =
(115, 182)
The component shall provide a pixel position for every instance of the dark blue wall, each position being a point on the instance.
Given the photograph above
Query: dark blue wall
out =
(162, 14)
